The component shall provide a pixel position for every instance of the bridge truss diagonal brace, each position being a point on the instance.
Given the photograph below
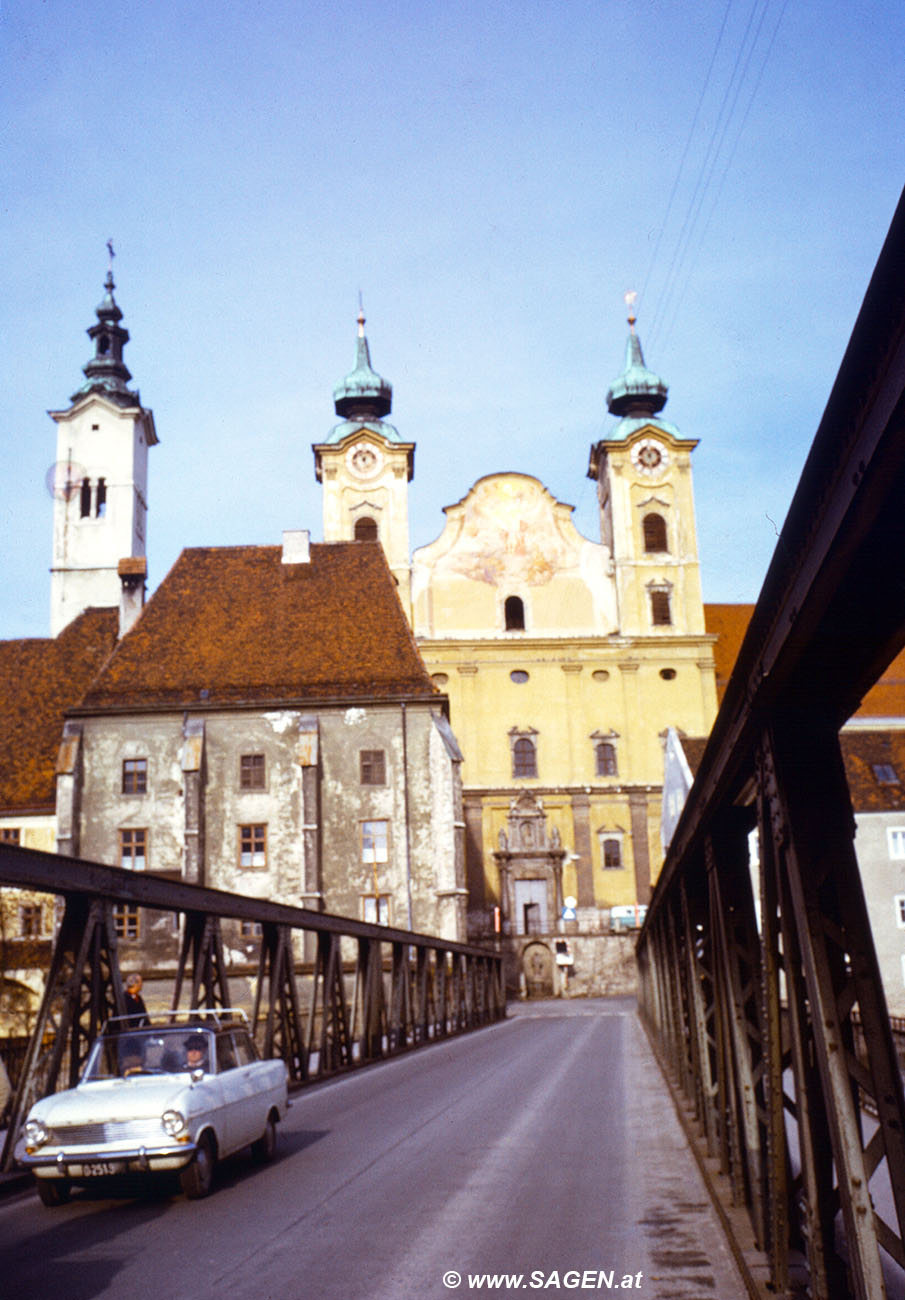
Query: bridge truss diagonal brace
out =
(283, 1029)
(202, 953)
(84, 988)
(824, 904)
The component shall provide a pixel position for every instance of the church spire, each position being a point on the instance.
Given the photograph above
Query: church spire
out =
(363, 394)
(637, 391)
(106, 373)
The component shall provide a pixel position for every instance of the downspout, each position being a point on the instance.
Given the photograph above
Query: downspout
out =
(408, 837)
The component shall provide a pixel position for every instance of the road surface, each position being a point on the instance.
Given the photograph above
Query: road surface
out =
(537, 1156)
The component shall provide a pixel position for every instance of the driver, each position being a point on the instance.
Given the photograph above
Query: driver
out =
(196, 1052)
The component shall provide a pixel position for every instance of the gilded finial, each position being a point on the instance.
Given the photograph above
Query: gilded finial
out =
(630, 299)
(361, 316)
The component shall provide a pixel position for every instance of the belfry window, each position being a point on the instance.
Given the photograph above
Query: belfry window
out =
(654, 527)
(660, 613)
(85, 498)
(365, 529)
(514, 614)
(100, 498)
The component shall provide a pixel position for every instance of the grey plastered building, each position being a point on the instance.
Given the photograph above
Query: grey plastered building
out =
(267, 727)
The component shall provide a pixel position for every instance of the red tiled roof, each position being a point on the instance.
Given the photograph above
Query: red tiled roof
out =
(728, 623)
(39, 680)
(235, 625)
(886, 699)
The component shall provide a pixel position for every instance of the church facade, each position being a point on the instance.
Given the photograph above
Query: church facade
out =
(565, 659)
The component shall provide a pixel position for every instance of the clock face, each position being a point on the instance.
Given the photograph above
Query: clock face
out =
(364, 460)
(650, 457)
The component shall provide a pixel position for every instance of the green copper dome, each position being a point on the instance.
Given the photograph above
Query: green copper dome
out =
(637, 391)
(363, 394)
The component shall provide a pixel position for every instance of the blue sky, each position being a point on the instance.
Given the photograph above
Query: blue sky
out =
(493, 178)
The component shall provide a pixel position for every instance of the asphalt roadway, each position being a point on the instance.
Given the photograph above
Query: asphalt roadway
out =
(540, 1155)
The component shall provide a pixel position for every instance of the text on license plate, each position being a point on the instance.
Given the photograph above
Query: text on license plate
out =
(97, 1168)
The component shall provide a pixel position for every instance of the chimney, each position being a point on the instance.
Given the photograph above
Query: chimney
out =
(133, 573)
(296, 546)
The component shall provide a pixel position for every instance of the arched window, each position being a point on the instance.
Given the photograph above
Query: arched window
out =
(654, 526)
(605, 754)
(365, 529)
(85, 498)
(514, 611)
(524, 757)
(100, 500)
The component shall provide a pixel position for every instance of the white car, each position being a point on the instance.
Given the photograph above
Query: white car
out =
(176, 1093)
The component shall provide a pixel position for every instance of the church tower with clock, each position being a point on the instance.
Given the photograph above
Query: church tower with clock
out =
(365, 467)
(643, 472)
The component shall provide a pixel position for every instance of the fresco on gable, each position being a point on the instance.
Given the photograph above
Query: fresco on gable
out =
(509, 534)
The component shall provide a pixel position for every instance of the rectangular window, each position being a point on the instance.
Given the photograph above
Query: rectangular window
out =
(659, 608)
(135, 776)
(252, 772)
(133, 849)
(126, 921)
(376, 908)
(30, 920)
(895, 837)
(373, 767)
(899, 901)
(250, 929)
(886, 774)
(375, 842)
(253, 846)
(611, 852)
(10, 835)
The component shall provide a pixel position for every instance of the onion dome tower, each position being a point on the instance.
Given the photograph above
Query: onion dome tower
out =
(365, 467)
(642, 468)
(99, 482)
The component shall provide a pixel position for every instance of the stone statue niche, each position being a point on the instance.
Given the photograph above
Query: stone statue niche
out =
(530, 861)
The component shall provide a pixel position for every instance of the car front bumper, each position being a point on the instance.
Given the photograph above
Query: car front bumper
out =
(104, 1161)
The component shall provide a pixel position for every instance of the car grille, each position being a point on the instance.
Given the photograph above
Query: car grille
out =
(132, 1131)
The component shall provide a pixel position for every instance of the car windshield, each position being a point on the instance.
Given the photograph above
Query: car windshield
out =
(150, 1051)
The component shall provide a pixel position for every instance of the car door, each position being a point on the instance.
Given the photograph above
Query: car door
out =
(229, 1078)
(253, 1106)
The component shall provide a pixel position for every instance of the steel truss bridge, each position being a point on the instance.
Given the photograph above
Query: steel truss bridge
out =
(755, 1001)
(371, 991)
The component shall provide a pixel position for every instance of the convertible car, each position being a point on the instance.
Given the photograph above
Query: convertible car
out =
(175, 1093)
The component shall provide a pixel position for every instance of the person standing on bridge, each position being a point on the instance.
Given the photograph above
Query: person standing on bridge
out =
(135, 1004)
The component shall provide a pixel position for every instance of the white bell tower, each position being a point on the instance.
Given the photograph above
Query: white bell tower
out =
(99, 482)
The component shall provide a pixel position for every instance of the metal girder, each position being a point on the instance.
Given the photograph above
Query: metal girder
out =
(328, 1021)
(202, 950)
(83, 989)
(283, 1030)
(827, 908)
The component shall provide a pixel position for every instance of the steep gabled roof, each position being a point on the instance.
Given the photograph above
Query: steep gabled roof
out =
(234, 625)
(39, 680)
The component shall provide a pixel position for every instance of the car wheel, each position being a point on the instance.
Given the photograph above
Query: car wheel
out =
(53, 1191)
(197, 1178)
(265, 1148)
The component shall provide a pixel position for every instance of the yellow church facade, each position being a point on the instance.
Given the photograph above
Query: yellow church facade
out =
(565, 659)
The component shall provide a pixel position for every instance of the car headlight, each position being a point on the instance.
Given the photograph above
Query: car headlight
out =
(173, 1122)
(36, 1133)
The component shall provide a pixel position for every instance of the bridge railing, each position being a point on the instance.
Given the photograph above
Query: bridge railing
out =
(366, 992)
(755, 1007)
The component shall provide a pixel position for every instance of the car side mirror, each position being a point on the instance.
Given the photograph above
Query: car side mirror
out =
(197, 1074)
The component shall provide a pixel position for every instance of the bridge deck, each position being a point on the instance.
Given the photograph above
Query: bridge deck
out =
(544, 1144)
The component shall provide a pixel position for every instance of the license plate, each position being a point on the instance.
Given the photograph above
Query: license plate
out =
(97, 1168)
